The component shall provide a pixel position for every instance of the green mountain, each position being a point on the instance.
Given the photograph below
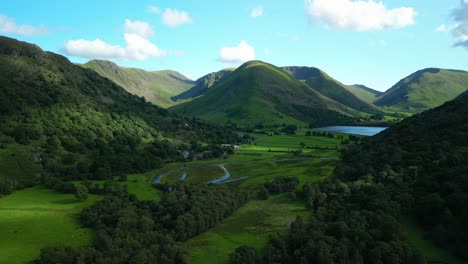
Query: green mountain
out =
(424, 89)
(259, 93)
(203, 84)
(62, 120)
(363, 92)
(156, 86)
(324, 84)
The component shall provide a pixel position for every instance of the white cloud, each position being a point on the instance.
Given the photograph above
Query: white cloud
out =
(154, 9)
(441, 28)
(460, 32)
(138, 46)
(257, 11)
(241, 53)
(138, 27)
(93, 49)
(174, 17)
(8, 25)
(361, 15)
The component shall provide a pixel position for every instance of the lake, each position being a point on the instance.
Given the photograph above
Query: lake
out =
(357, 130)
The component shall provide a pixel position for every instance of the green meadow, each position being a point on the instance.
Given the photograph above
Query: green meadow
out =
(36, 217)
(250, 225)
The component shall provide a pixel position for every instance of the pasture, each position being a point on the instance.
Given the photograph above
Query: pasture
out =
(37, 217)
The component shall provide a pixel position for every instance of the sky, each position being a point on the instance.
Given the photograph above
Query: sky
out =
(370, 42)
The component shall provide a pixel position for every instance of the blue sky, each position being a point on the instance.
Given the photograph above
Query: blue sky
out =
(375, 43)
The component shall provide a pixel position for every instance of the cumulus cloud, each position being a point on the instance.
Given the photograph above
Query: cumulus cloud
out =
(139, 28)
(241, 53)
(257, 11)
(460, 32)
(441, 28)
(361, 15)
(8, 25)
(174, 17)
(138, 46)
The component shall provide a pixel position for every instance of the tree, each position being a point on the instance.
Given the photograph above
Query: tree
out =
(243, 255)
(263, 193)
(81, 193)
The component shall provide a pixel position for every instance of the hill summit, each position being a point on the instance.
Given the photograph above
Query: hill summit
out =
(258, 93)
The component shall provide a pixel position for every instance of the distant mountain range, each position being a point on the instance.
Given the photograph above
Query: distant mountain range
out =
(260, 93)
(156, 86)
(203, 84)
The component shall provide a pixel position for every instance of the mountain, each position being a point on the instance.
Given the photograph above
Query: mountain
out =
(259, 93)
(424, 89)
(203, 84)
(60, 120)
(156, 86)
(324, 84)
(363, 92)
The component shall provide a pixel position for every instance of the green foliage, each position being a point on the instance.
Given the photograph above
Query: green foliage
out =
(81, 193)
(282, 184)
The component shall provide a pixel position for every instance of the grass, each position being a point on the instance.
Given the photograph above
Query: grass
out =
(415, 236)
(250, 225)
(140, 185)
(37, 217)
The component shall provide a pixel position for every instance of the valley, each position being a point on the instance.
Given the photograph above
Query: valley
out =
(256, 164)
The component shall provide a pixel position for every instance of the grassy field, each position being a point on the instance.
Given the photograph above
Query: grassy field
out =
(415, 236)
(36, 217)
(263, 160)
(140, 185)
(250, 225)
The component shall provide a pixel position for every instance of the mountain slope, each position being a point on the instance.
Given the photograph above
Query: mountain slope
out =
(203, 84)
(260, 93)
(424, 89)
(415, 171)
(156, 86)
(363, 92)
(61, 120)
(329, 87)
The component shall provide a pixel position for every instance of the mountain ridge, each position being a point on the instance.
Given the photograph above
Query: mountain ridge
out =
(424, 89)
(156, 86)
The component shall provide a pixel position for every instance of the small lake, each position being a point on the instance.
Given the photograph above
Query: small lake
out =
(357, 130)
